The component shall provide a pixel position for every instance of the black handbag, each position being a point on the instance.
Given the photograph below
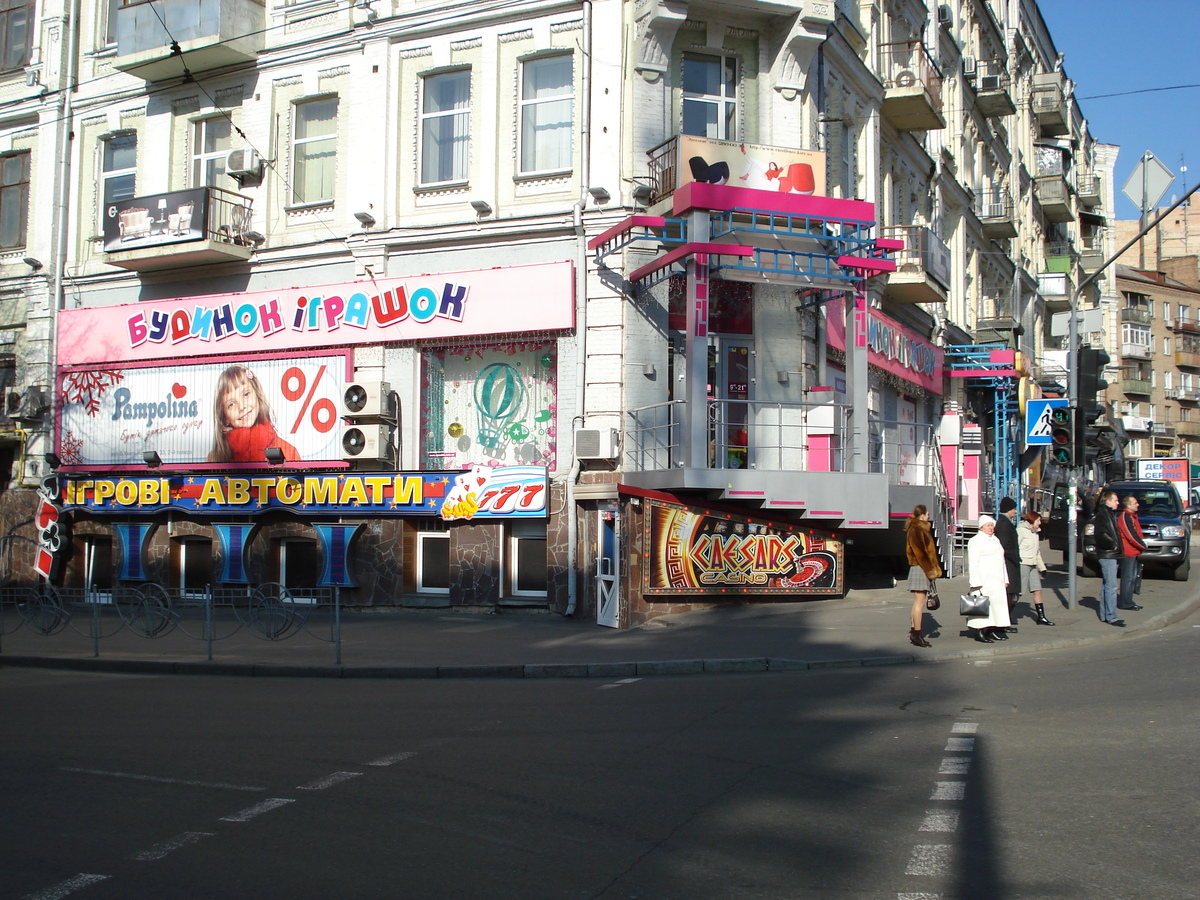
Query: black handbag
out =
(932, 600)
(974, 604)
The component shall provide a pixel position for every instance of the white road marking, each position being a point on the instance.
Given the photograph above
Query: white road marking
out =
(965, 727)
(390, 760)
(161, 780)
(960, 744)
(328, 781)
(158, 851)
(60, 890)
(257, 810)
(929, 859)
(954, 765)
(945, 820)
(948, 790)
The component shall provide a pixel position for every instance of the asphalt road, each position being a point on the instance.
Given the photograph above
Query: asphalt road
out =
(1068, 775)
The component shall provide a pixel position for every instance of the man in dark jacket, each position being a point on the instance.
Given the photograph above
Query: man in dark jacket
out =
(1006, 532)
(1108, 551)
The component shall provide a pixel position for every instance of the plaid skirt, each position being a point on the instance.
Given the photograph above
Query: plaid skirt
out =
(918, 580)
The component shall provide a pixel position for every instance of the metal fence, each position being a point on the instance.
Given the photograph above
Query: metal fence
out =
(270, 612)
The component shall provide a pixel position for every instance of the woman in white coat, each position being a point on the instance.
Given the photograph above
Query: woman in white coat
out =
(987, 573)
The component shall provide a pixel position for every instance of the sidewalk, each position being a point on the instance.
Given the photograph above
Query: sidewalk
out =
(869, 626)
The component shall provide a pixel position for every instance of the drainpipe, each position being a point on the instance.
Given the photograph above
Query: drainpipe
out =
(66, 136)
(585, 146)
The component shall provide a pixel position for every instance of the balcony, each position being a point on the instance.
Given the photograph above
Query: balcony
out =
(1056, 289)
(182, 228)
(1136, 351)
(1054, 194)
(1060, 257)
(991, 83)
(1135, 314)
(912, 99)
(922, 268)
(1136, 387)
(1087, 187)
(995, 211)
(1187, 360)
(1050, 104)
(210, 33)
(1185, 326)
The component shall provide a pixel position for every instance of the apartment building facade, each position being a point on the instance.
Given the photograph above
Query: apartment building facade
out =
(604, 308)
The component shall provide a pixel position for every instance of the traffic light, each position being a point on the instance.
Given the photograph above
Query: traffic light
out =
(1091, 440)
(1062, 436)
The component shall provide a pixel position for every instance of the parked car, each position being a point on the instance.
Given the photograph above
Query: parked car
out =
(1166, 527)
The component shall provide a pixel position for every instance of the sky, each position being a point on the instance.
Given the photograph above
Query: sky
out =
(1116, 46)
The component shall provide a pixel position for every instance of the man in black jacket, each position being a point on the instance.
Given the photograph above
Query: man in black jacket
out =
(1108, 551)
(1006, 532)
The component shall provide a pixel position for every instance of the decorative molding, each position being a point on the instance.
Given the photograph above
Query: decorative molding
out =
(657, 22)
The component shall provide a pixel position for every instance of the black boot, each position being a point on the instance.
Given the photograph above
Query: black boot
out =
(1040, 615)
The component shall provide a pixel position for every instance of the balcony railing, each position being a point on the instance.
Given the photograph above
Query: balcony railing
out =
(912, 87)
(779, 437)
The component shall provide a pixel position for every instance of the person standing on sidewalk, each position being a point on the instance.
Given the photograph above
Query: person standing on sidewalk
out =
(923, 567)
(1006, 532)
(1133, 545)
(987, 573)
(1108, 551)
(1032, 564)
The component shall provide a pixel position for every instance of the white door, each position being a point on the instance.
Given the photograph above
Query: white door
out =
(607, 570)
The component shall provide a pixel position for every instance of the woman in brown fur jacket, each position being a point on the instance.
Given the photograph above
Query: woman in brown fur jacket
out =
(923, 567)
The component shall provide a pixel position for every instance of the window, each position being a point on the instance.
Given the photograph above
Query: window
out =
(547, 114)
(14, 199)
(315, 151)
(213, 141)
(445, 127)
(433, 562)
(710, 96)
(118, 169)
(15, 32)
(527, 559)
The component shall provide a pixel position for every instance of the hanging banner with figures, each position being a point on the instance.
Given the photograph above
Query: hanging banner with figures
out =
(480, 492)
(225, 413)
(696, 551)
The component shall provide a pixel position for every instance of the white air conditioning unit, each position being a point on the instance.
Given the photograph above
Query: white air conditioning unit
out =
(369, 400)
(242, 162)
(596, 443)
(989, 83)
(369, 443)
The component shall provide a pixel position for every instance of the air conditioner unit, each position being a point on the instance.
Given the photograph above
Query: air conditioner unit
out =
(369, 443)
(596, 443)
(989, 83)
(242, 162)
(369, 400)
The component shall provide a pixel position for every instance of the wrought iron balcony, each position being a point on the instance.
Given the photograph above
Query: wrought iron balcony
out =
(181, 228)
(912, 99)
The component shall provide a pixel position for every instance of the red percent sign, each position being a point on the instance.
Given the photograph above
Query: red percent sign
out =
(323, 413)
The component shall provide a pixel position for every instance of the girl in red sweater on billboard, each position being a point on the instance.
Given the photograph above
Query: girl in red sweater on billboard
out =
(244, 428)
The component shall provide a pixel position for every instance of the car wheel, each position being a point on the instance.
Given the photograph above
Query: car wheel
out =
(1182, 570)
(1087, 569)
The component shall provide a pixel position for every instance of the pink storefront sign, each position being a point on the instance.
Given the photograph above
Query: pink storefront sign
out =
(508, 300)
(891, 347)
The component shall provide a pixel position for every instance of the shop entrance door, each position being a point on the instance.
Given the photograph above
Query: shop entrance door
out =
(730, 378)
(607, 569)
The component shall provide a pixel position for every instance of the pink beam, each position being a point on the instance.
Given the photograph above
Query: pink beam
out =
(626, 225)
(687, 250)
(697, 195)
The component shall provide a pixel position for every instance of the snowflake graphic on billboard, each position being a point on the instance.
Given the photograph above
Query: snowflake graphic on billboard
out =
(87, 387)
